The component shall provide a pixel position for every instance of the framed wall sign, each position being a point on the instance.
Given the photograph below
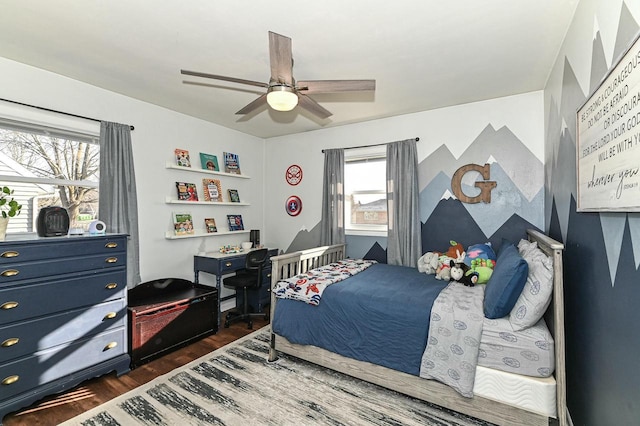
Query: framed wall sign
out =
(608, 140)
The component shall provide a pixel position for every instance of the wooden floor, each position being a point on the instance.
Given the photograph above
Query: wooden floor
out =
(58, 408)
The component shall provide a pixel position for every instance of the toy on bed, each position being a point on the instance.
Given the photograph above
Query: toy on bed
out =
(434, 262)
(481, 258)
(463, 274)
(429, 262)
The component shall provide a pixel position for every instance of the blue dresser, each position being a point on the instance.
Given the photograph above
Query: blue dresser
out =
(63, 314)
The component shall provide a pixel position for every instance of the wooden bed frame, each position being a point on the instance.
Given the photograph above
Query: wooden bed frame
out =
(287, 265)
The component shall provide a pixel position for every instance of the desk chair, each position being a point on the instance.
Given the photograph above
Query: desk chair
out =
(248, 278)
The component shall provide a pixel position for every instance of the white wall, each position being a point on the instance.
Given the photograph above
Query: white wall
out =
(455, 127)
(157, 132)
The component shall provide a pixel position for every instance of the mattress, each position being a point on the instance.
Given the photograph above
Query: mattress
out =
(529, 352)
(531, 393)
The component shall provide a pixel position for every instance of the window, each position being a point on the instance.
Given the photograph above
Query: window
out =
(365, 192)
(49, 167)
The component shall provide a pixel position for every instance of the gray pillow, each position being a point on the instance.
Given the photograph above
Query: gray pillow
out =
(536, 294)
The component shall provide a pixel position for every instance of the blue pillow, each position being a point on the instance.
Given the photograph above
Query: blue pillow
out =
(506, 283)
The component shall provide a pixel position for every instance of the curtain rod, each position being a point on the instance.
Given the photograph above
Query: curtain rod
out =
(56, 111)
(367, 146)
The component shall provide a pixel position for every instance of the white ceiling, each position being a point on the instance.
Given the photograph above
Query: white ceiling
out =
(423, 54)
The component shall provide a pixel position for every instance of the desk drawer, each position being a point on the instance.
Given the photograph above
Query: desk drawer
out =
(56, 248)
(21, 271)
(231, 264)
(45, 366)
(46, 297)
(27, 337)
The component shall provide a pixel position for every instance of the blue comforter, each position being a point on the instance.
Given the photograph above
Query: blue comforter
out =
(380, 315)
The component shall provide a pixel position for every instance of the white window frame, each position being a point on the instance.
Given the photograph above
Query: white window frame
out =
(374, 153)
(32, 120)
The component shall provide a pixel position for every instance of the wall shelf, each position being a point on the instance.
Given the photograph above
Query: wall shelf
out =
(170, 200)
(170, 165)
(170, 236)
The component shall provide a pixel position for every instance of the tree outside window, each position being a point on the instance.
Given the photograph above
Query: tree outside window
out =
(46, 168)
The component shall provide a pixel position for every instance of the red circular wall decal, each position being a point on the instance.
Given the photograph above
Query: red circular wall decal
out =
(293, 174)
(293, 205)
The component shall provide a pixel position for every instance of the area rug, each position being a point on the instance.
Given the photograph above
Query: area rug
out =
(235, 385)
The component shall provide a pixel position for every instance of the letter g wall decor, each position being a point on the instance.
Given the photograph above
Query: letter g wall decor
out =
(485, 186)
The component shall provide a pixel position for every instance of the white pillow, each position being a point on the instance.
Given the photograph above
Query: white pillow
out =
(536, 294)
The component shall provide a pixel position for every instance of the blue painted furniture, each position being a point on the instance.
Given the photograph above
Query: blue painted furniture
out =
(63, 314)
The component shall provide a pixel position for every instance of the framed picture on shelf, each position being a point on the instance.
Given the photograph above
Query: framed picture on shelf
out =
(233, 196)
(186, 191)
(212, 189)
(209, 162)
(235, 222)
(231, 163)
(210, 225)
(182, 157)
(182, 224)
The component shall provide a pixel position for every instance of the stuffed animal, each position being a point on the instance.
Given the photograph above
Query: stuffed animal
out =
(444, 268)
(455, 250)
(479, 251)
(428, 263)
(484, 268)
(462, 274)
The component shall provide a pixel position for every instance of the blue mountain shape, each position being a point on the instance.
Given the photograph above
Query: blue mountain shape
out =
(506, 199)
(523, 167)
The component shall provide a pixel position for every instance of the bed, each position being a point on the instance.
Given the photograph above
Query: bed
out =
(500, 397)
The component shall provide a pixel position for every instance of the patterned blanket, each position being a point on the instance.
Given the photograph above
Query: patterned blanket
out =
(308, 287)
(455, 328)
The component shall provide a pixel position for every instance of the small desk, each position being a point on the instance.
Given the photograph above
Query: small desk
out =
(220, 264)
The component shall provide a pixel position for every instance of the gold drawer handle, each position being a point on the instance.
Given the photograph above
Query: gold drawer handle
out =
(8, 305)
(110, 346)
(110, 315)
(111, 286)
(111, 245)
(111, 259)
(10, 342)
(228, 264)
(11, 253)
(10, 380)
(10, 272)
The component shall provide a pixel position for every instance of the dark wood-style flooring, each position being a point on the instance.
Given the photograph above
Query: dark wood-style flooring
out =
(55, 409)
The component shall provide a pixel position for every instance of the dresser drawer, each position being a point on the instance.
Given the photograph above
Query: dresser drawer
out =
(60, 247)
(46, 297)
(22, 271)
(45, 366)
(26, 337)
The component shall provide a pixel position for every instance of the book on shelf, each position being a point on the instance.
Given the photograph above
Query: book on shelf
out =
(234, 197)
(231, 163)
(210, 225)
(186, 191)
(235, 222)
(212, 189)
(182, 224)
(209, 162)
(182, 157)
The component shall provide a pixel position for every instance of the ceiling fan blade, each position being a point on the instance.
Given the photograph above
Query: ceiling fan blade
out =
(280, 58)
(222, 77)
(312, 106)
(332, 86)
(254, 105)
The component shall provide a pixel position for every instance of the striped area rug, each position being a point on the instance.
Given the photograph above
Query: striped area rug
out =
(235, 385)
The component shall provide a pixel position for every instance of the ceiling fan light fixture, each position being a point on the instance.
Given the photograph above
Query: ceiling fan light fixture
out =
(282, 98)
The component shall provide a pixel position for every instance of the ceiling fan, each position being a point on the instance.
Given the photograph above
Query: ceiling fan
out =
(283, 92)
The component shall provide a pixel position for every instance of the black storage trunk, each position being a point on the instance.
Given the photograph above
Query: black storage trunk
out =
(168, 313)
